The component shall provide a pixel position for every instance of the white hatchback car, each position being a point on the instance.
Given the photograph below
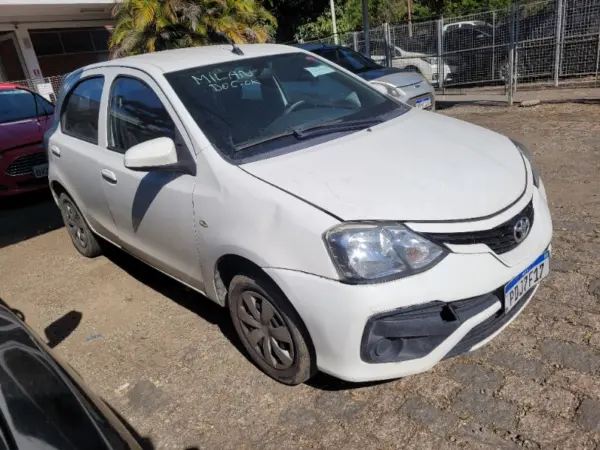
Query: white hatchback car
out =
(345, 231)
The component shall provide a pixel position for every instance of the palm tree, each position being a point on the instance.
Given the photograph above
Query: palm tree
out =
(152, 25)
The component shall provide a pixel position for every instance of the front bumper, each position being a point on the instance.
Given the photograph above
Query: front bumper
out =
(25, 182)
(336, 314)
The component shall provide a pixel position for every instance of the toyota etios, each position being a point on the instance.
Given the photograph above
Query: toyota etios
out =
(344, 230)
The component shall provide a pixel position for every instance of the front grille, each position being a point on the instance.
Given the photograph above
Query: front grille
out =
(500, 239)
(23, 165)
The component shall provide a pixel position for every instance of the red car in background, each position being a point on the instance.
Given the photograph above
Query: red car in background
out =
(24, 118)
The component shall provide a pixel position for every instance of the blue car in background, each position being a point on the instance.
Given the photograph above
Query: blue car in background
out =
(409, 87)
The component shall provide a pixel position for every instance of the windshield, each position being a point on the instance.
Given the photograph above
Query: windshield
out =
(19, 104)
(349, 59)
(253, 105)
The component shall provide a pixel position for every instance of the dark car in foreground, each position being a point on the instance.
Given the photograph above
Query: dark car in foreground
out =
(24, 118)
(43, 402)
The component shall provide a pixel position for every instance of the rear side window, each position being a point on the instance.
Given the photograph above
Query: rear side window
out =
(81, 110)
(136, 115)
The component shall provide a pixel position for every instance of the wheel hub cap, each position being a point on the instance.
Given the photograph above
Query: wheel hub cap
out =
(266, 331)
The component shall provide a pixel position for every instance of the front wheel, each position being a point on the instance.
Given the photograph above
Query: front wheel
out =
(270, 329)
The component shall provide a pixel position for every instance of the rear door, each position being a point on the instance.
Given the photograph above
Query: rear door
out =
(74, 151)
(153, 210)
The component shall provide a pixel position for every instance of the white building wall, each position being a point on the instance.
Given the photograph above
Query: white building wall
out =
(21, 16)
(32, 66)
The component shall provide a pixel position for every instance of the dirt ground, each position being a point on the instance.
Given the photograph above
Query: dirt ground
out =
(167, 359)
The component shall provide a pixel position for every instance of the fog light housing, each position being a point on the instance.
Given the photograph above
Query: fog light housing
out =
(414, 332)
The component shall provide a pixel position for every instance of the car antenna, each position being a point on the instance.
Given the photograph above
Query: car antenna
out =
(235, 50)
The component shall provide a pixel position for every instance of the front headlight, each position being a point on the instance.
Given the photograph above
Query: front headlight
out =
(380, 251)
(390, 90)
(527, 154)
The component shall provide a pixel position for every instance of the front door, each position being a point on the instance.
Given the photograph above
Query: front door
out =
(153, 210)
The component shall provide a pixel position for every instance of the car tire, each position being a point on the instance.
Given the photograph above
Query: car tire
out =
(81, 235)
(413, 69)
(270, 329)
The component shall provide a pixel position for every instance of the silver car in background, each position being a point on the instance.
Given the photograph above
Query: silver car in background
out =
(408, 86)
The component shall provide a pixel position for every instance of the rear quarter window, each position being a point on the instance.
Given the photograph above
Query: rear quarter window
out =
(81, 110)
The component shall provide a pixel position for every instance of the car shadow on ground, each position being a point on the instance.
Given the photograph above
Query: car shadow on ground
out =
(207, 309)
(28, 215)
(175, 291)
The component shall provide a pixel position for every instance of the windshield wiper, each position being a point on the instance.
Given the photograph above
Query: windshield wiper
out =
(263, 140)
(335, 126)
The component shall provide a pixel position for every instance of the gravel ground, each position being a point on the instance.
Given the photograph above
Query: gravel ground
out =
(166, 358)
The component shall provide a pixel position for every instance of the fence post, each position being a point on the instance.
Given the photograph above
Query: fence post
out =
(387, 43)
(493, 45)
(511, 54)
(558, 48)
(355, 41)
(440, 53)
(598, 58)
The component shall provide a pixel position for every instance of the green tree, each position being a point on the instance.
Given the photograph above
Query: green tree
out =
(349, 16)
(152, 25)
(349, 13)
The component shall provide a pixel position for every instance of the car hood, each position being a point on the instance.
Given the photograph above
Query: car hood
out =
(420, 166)
(394, 76)
(22, 133)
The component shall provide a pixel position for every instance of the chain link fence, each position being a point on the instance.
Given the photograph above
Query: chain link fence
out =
(47, 87)
(548, 43)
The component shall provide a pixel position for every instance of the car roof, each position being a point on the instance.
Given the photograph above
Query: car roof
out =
(187, 58)
(312, 46)
(4, 86)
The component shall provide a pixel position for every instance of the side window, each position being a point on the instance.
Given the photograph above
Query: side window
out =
(81, 110)
(45, 108)
(136, 115)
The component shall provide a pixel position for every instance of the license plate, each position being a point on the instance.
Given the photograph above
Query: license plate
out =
(526, 280)
(423, 103)
(40, 171)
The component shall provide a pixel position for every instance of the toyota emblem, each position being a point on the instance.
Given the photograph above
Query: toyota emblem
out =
(521, 229)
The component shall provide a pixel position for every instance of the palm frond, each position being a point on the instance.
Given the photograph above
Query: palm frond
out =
(152, 25)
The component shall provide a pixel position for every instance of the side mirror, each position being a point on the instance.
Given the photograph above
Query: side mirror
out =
(156, 154)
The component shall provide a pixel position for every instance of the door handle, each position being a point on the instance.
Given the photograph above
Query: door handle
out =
(109, 176)
(55, 150)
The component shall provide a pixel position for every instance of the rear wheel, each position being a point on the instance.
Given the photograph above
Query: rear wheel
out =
(413, 69)
(270, 329)
(81, 235)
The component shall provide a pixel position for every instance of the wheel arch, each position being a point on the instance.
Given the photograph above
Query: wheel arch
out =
(231, 264)
(57, 188)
